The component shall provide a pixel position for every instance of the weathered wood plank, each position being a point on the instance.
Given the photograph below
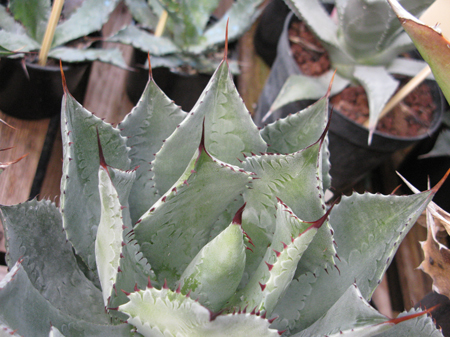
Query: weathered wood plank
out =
(106, 95)
(415, 284)
(16, 181)
(254, 72)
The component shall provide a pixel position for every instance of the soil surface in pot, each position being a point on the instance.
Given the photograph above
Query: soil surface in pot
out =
(410, 118)
(308, 52)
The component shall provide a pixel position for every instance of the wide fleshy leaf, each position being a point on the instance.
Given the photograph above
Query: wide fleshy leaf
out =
(300, 87)
(422, 326)
(80, 173)
(379, 86)
(431, 44)
(215, 272)
(297, 131)
(275, 272)
(441, 146)
(229, 131)
(17, 41)
(164, 312)
(108, 242)
(120, 264)
(408, 67)
(188, 19)
(152, 121)
(33, 14)
(88, 18)
(295, 179)
(352, 315)
(113, 56)
(170, 240)
(242, 14)
(34, 235)
(145, 12)
(300, 130)
(367, 229)
(369, 27)
(314, 14)
(30, 314)
(149, 43)
(8, 23)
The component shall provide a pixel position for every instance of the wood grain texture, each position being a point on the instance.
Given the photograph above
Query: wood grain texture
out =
(415, 284)
(16, 181)
(106, 95)
(254, 72)
(51, 185)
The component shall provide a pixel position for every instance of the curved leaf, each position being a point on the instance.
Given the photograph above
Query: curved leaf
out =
(33, 14)
(215, 272)
(300, 87)
(112, 56)
(368, 229)
(431, 44)
(276, 271)
(30, 314)
(163, 312)
(229, 131)
(88, 18)
(152, 121)
(169, 239)
(295, 179)
(34, 235)
(379, 86)
(80, 173)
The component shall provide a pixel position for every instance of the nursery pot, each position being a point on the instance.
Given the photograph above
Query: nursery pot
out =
(30, 91)
(183, 89)
(350, 155)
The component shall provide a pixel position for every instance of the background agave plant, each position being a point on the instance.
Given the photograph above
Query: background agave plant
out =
(364, 46)
(191, 36)
(199, 224)
(23, 24)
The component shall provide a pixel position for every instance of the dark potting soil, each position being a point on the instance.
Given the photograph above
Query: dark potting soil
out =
(310, 55)
(409, 118)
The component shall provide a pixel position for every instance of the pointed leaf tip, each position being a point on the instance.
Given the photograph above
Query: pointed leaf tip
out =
(408, 317)
(441, 182)
(63, 77)
(319, 222)
(150, 73)
(330, 85)
(237, 220)
(225, 55)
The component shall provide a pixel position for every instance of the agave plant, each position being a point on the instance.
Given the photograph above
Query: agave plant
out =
(199, 224)
(363, 46)
(190, 38)
(23, 24)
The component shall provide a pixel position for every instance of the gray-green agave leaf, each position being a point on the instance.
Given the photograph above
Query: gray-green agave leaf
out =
(362, 46)
(171, 250)
(191, 35)
(23, 24)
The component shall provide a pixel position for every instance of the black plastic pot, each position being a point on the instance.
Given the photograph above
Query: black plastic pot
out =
(184, 90)
(350, 156)
(29, 91)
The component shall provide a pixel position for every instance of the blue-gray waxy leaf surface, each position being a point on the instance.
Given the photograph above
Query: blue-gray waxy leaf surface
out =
(176, 224)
